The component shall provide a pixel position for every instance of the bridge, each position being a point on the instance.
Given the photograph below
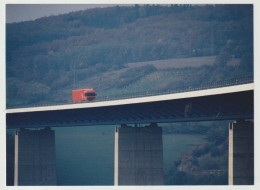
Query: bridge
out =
(132, 144)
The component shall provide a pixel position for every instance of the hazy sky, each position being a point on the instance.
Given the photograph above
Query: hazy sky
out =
(18, 13)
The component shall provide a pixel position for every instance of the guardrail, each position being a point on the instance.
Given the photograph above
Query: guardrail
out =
(186, 88)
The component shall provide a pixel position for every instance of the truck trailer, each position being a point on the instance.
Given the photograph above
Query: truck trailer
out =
(83, 95)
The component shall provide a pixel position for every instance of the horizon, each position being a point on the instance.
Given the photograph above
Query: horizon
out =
(16, 13)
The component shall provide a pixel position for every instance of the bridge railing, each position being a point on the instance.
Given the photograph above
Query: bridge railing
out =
(185, 88)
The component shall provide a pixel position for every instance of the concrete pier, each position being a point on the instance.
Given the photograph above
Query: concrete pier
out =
(241, 153)
(138, 155)
(35, 160)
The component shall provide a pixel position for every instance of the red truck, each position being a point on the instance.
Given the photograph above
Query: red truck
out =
(83, 95)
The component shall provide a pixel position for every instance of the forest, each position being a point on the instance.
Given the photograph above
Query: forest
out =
(48, 57)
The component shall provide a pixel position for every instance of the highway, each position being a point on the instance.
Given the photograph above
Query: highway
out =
(228, 102)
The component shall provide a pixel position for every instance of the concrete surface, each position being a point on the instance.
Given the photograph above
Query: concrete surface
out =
(138, 155)
(35, 159)
(241, 153)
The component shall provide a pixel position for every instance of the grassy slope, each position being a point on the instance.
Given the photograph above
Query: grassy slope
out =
(177, 62)
(165, 76)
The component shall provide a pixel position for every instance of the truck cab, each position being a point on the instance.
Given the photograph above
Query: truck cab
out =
(83, 95)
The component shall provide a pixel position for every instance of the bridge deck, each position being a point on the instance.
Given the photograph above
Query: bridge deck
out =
(213, 104)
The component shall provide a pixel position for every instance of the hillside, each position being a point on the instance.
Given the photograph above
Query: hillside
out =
(126, 49)
(205, 163)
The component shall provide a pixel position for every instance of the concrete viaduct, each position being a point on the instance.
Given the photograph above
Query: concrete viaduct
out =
(138, 150)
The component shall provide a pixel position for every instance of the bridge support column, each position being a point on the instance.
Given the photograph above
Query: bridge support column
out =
(241, 153)
(138, 155)
(35, 160)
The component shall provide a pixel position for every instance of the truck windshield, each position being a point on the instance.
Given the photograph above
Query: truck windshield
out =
(90, 94)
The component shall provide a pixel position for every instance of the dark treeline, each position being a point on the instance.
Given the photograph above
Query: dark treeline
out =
(44, 55)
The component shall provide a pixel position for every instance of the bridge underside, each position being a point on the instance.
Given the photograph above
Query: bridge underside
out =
(237, 105)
